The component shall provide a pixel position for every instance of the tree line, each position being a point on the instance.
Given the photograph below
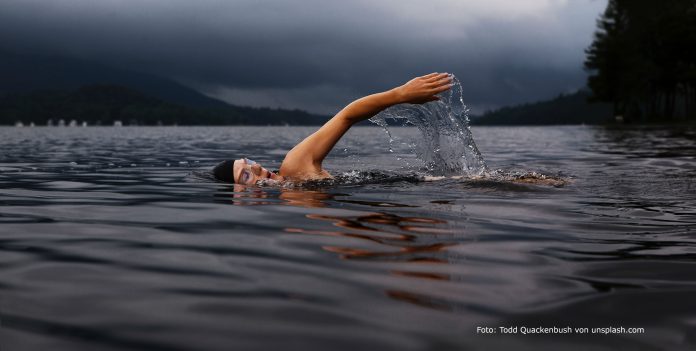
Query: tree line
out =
(105, 104)
(563, 109)
(643, 60)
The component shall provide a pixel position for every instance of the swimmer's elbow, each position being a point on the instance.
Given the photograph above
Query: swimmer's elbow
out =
(348, 117)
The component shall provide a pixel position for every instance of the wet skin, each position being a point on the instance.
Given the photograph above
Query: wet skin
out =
(304, 161)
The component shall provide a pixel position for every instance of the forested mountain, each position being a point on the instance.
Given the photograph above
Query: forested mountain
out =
(26, 73)
(564, 109)
(105, 104)
(36, 89)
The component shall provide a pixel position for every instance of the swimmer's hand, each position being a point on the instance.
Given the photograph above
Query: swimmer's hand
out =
(423, 89)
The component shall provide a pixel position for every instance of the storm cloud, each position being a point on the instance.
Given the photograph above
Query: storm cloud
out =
(318, 55)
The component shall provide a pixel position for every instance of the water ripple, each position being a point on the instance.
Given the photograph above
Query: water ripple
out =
(119, 239)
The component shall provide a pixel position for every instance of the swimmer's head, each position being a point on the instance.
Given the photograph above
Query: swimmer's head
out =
(242, 171)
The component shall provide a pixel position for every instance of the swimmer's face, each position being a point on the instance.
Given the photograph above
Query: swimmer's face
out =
(248, 172)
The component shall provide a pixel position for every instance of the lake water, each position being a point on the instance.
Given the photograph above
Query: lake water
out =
(114, 239)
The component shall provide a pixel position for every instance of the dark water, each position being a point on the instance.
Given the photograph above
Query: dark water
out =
(111, 240)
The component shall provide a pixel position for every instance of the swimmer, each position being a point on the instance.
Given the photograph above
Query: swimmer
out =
(304, 161)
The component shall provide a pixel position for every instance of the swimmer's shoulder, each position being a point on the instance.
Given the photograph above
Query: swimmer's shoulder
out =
(299, 166)
(304, 174)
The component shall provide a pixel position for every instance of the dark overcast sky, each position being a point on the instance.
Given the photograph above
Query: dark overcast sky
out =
(318, 55)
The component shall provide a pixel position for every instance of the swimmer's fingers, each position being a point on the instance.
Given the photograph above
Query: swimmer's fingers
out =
(437, 77)
(421, 90)
(441, 88)
(446, 80)
(428, 76)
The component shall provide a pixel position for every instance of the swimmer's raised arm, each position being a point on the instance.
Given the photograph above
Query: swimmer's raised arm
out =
(305, 159)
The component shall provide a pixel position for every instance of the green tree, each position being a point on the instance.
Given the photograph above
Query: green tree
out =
(642, 59)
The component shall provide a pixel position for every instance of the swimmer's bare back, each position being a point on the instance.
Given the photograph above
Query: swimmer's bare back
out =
(530, 178)
(304, 161)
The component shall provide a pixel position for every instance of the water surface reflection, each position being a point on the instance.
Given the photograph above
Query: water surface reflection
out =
(110, 243)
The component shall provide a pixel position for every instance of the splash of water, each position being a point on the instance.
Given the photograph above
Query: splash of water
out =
(446, 146)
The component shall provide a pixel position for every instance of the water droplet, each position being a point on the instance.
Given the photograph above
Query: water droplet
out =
(446, 146)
